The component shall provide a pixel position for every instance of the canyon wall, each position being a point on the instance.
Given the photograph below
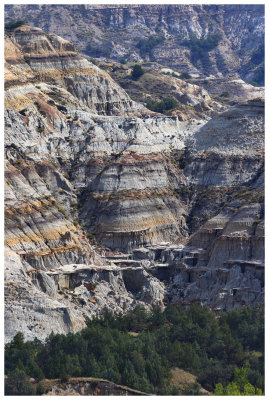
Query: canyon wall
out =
(91, 175)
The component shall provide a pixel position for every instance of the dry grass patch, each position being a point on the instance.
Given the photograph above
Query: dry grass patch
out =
(180, 378)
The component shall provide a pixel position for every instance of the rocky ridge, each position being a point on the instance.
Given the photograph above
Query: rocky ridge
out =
(114, 32)
(88, 387)
(88, 169)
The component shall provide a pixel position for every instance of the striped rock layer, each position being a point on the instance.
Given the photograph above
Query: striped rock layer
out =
(88, 167)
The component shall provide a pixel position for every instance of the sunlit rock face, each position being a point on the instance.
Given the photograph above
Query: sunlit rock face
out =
(88, 169)
(32, 56)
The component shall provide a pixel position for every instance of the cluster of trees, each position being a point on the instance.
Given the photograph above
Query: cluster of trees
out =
(10, 26)
(200, 47)
(139, 349)
(146, 45)
(239, 386)
(18, 384)
(166, 104)
(103, 50)
(184, 75)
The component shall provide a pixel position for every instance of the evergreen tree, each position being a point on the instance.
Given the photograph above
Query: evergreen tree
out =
(18, 341)
(17, 383)
(219, 390)
(137, 71)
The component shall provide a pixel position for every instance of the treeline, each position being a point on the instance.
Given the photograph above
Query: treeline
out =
(139, 349)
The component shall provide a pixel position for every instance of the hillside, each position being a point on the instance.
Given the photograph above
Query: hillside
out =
(218, 40)
(147, 352)
(134, 200)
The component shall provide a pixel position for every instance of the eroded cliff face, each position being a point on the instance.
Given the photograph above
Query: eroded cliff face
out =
(222, 264)
(33, 56)
(88, 169)
(114, 32)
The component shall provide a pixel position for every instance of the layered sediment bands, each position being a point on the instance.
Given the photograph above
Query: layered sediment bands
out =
(37, 226)
(231, 235)
(30, 310)
(223, 263)
(38, 57)
(239, 90)
(47, 129)
(59, 299)
(86, 167)
(131, 202)
(242, 128)
(239, 237)
(214, 169)
(229, 149)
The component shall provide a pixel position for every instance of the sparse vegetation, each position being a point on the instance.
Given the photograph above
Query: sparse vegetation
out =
(258, 77)
(10, 26)
(193, 389)
(257, 60)
(94, 61)
(57, 98)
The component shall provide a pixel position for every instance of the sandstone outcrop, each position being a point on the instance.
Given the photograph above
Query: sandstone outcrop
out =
(233, 90)
(59, 299)
(223, 262)
(29, 309)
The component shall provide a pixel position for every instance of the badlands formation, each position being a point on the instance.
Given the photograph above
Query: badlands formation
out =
(110, 205)
(114, 32)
